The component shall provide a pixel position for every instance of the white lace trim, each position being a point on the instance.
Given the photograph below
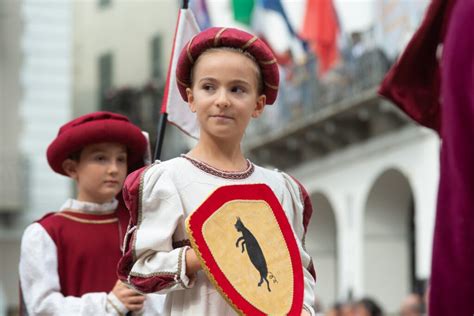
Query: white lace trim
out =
(89, 207)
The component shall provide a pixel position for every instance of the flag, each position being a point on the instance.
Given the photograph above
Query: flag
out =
(201, 13)
(276, 6)
(177, 109)
(242, 10)
(321, 29)
(270, 22)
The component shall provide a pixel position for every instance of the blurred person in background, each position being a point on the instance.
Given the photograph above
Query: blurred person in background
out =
(412, 305)
(348, 308)
(367, 307)
(335, 310)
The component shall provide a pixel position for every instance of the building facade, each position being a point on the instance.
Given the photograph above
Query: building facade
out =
(372, 175)
(35, 89)
(121, 55)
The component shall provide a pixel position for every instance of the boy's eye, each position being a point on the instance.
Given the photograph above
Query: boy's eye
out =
(99, 158)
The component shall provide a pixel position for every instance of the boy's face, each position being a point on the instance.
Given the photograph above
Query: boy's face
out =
(99, 172)
(224, 94)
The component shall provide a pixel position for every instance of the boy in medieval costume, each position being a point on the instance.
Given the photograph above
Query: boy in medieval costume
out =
(69, 258)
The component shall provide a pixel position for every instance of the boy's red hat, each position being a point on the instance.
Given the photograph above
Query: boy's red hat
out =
(94, 128)
(228, 37)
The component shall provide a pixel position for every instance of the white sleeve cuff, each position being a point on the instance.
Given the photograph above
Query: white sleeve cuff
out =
(114, 304)
(309, 309)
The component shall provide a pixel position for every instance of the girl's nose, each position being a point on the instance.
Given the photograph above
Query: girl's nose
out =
(222, 99)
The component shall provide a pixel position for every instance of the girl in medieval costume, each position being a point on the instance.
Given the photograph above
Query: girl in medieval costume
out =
(227, 76)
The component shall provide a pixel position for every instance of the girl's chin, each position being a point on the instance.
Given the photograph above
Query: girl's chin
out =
(222, 132)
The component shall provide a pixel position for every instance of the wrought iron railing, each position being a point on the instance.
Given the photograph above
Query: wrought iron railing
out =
(302, 92)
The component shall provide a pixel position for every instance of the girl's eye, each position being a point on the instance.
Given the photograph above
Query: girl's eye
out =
(208, 87)
(238, 89)
(122, 159)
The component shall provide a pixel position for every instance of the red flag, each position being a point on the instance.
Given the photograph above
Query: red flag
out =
(321, 29)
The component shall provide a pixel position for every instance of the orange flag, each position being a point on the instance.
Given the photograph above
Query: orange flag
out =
(320, 29)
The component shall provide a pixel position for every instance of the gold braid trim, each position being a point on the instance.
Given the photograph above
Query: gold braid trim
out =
(206, 269)
(218, 35)
(188, 50)
(271, 86)
(88, 221)
(250, 42)
(267, 62)
(181, 83)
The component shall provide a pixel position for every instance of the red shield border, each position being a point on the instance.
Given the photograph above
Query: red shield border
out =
(197, 219)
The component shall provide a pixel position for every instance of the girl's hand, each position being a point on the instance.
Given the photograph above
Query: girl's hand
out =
(192, 263)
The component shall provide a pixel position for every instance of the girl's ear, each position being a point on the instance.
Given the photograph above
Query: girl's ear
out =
(70, 167)
(261, 100)
(189, 93)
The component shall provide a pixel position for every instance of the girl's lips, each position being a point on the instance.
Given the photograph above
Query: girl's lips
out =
(222, 117)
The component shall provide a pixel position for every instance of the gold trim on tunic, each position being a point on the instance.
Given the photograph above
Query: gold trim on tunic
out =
(88, 221)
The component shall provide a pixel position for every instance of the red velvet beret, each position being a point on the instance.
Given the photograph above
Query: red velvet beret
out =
(95, 128)
(228, 37)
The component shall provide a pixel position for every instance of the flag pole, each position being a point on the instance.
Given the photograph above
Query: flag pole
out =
(164, 116)
(161, 135)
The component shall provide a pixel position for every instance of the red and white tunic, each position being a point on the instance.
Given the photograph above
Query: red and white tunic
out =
(68, 261)
(161, 197)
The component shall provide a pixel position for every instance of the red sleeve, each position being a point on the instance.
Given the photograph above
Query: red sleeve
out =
(307, 213)
(131, 197)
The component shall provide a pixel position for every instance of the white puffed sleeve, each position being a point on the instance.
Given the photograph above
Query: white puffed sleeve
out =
(296, 198)
(39, 281)
(154, 266)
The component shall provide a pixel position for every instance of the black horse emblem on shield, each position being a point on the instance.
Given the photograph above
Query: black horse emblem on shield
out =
(253, 250)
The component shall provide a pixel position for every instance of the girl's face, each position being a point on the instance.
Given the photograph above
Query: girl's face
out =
(224, 94)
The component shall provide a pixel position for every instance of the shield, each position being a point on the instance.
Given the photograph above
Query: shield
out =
(248, 250)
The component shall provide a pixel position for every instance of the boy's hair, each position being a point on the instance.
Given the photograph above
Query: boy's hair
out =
(76, 156)
(229, 38)
(234, 50)
(93, 128)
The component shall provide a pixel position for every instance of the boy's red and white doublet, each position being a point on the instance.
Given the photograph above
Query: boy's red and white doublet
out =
(55, 261)
(161, 197)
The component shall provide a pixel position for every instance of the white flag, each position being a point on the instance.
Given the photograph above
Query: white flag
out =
(178, 110)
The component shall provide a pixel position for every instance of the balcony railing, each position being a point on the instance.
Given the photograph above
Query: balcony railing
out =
(303, 94)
